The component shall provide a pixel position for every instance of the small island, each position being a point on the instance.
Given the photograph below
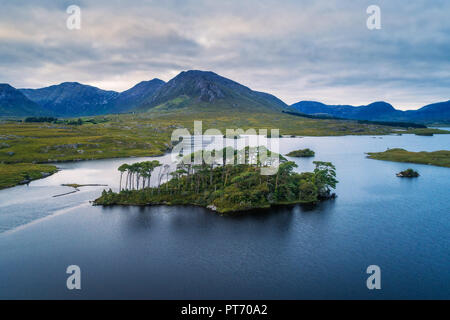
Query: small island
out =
(437, 158)
(302, 153)
(223, 188)
(408, 173)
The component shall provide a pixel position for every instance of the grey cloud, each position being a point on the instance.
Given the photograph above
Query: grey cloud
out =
(293, 49)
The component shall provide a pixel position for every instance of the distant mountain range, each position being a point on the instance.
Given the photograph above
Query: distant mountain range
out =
(377, 111)
(71, 99)
(14, 103)
(192, 90)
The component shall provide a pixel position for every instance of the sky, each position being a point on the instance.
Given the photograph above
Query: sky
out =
(296, 50)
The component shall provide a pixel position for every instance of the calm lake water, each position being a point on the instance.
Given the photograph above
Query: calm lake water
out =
(295, 252)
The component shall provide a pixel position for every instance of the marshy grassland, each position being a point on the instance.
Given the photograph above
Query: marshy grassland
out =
(24, 145)
(437, 158)
(14, 174)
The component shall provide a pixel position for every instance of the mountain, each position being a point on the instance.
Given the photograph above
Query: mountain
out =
(132, 98)
(71, 99)
(433, 112)
(207, 91)
(377, 111)
(373, 111)
(191, 91)
(14, 103)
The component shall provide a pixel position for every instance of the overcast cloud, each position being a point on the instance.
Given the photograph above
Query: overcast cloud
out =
(296, 50)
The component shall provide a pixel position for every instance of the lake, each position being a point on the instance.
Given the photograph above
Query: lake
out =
(295, 252)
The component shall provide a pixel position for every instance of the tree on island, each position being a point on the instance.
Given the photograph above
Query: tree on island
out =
(408, 173)
(324, 177)
(225, 187)
(136, 172)
(122, 169)
(301, 153)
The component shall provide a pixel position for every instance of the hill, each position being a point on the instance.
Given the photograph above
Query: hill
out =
(208, 91)
(130, 99)
(14, 103)
(71, 99)
(377, 111)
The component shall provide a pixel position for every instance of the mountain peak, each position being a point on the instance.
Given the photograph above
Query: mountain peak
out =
(147, 83)
(6, 86)
(133, 97)
(207, 89)
(71, 98)
(197, 73)
(381, 105)
(15, 103)
(70, 83)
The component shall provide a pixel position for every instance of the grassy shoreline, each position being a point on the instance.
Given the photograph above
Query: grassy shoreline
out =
(148, 134)
(437, 158)
(22, 173)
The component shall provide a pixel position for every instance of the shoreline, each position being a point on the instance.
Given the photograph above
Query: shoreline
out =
(55, 163)
(44, 170)
(439, 158)
(209, 207)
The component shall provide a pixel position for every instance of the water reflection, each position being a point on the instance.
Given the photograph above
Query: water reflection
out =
(189, 252)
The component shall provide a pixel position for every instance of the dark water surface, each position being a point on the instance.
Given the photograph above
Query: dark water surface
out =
(286, 252)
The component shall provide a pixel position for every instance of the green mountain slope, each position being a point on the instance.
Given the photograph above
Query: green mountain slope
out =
(207, 91)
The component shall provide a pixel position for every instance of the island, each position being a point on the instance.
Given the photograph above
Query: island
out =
(302, 153)
(223, 188)
(437, 158)
(408, 173)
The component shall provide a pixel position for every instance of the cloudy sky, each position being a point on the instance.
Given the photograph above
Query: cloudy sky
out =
(297, 50)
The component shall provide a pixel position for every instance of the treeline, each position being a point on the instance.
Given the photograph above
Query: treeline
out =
(40, 119)
(311, 116)
(73, 122)
(381, 123)
(394, 124)
(222, 187)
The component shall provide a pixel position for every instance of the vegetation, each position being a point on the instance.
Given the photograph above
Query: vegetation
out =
(76, 185)
(21, 173)
(427, 134)
(397, 124)
(148, 134)
(225, 187)
(138, 171)
(302, 153)
(408, 173)
(436, 158)
(40, 119)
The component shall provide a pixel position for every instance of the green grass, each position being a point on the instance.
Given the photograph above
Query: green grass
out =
(148, 134)
(302, 153)
(13, 174)
(436, 158)
(43, 143)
